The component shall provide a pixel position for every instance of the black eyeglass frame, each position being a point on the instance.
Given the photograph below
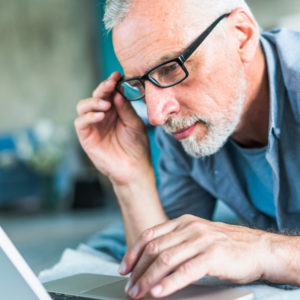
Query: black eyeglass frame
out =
(181, 59)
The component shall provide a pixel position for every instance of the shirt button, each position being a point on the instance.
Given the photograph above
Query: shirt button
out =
(276, 132)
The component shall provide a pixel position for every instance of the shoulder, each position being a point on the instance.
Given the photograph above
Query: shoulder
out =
(286, 43)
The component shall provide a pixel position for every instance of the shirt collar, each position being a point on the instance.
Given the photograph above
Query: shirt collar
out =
(276, 87)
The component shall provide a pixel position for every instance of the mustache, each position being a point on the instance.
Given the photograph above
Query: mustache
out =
(174, 124)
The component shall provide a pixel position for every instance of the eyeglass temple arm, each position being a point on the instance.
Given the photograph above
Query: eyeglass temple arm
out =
(187, 53)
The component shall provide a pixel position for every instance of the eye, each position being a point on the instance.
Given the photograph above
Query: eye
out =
(166, 70)
(168, 74)
(135, 85)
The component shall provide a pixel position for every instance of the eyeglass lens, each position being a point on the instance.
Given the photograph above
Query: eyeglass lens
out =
(133, 89)
(164, 75)
(168, 74)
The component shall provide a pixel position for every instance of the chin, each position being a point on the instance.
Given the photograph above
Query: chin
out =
(206, 146)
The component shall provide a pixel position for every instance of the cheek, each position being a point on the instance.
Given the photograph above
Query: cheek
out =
(203, 90)
(217, 67)
(205, 78)
(195, 97)
(212, 84)
(216, 83)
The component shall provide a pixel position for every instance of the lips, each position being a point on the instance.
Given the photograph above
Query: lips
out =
(184, 133)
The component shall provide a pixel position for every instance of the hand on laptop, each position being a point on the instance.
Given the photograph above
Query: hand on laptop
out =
(172, 255)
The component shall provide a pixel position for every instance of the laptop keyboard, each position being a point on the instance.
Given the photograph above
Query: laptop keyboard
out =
(56, 296)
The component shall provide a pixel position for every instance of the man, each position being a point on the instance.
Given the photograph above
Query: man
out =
(229, 104)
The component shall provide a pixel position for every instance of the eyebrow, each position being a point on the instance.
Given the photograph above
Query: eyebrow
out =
(163, 59)
(159, 61)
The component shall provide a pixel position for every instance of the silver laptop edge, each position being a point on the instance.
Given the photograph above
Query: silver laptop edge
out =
(21, 266)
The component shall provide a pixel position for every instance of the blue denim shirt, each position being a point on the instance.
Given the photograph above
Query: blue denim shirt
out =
(255, 176)
(191, 186)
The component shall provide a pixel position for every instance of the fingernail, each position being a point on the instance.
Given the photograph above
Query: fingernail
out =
(156, 290)
(134, 291)
(102, 104)
(110, 78)
(98, 115)
(122, 267)
(128, 286)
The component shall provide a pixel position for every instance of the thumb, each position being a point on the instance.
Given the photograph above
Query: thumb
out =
(126, 112)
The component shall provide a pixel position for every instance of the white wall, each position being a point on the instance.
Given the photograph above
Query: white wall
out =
(275, 13)
(46, 59)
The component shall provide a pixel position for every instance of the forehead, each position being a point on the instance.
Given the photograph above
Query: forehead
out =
(154, 29)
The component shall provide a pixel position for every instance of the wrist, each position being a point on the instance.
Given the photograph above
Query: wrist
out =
(140, 205)
(141, 177)
(281, 259)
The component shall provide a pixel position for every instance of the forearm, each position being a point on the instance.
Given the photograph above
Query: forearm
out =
(283, 259)
(140, 205)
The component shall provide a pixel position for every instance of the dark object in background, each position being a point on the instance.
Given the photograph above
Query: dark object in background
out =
(20, 187)
(88, 194)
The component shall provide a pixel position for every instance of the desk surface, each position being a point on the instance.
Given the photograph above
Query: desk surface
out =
(41, 239)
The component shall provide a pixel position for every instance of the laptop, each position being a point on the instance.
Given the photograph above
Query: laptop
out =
(17, 281)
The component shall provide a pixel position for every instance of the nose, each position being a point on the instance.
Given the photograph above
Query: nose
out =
(161, 104)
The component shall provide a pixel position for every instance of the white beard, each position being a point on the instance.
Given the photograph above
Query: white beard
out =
(219, 127)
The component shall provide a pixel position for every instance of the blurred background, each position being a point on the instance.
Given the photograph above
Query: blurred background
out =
(52, 54)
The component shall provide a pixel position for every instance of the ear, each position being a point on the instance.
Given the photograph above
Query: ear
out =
(245, 33)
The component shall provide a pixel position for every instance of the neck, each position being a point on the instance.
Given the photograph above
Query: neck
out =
(252, 131)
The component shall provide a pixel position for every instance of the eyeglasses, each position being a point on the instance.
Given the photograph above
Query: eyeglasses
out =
(166, 74)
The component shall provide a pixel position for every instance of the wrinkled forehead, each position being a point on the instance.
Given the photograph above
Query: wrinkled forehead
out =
(155, 28)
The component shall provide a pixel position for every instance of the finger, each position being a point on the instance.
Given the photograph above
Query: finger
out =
(185, 274)
(133, 254)
(153, 250)
(107, 87)
(83, 123)
(92, 105)
(167, 261)
(126, 112)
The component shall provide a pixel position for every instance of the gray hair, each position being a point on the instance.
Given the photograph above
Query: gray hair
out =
(116, 10)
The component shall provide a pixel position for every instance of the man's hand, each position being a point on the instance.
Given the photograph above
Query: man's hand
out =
(115, 139)
(111, 133)
(172, 255)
